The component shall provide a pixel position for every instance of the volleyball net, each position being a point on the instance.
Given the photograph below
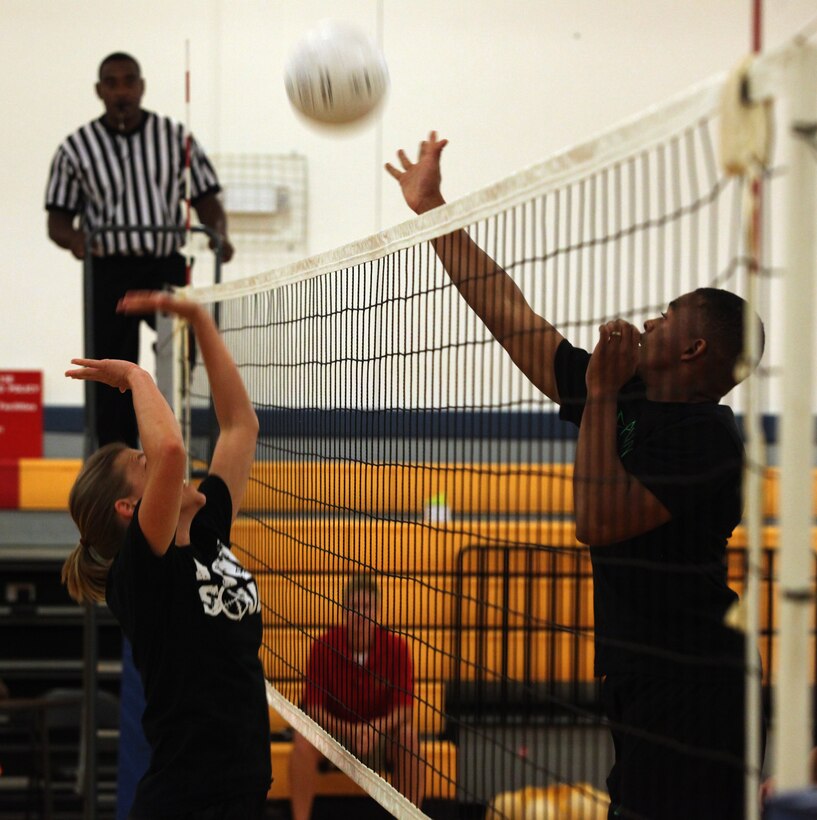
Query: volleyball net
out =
(400, 447)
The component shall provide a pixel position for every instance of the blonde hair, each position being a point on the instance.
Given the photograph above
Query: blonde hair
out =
(100, 484)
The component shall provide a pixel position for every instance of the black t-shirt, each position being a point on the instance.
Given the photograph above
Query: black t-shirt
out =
(660, 597)
(193, 618)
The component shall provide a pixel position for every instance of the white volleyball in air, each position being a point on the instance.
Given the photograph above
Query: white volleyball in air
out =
(336, 74)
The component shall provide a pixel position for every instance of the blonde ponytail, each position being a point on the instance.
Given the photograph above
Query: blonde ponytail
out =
(100, 484)
(84, 578)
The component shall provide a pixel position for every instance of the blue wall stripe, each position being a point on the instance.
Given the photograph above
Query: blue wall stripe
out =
(448, 424)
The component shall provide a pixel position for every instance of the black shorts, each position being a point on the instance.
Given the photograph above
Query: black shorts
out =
(679, 748)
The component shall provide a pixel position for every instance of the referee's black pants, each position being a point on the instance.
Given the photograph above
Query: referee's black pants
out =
(116, 336)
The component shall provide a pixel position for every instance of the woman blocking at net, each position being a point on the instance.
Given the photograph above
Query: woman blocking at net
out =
(157, 551)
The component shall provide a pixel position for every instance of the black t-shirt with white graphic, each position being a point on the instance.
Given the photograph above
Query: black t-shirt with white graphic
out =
(194, 621)
(660, 597)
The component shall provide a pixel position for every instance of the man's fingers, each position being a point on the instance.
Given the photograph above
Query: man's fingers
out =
(404, 161)
(619, 332)
(609, 330)
(618, 326)
(430, 146)
(433, 144)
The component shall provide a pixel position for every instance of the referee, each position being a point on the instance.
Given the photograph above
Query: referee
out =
(127, 168)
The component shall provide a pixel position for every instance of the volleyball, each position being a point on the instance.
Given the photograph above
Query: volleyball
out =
(336, 74)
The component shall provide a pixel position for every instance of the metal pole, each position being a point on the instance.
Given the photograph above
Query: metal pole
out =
(753, 494)
(90, 637)
(753, 480)
(90, 443)
(796, 596)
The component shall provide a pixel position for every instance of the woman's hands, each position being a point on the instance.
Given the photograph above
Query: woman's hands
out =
(152, 301)
(116, 372)
(113, 372)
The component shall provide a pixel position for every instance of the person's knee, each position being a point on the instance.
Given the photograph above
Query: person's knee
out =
(407, 765)
(304, 754)
(405, 748)
(407, 738)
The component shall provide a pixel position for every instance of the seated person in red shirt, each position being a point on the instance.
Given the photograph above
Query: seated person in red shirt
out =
(360, 687)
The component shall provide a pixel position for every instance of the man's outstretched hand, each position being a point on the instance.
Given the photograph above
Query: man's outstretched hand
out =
(420, 181)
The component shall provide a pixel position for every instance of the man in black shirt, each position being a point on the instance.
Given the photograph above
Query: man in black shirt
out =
(657, 494)
(123, 169)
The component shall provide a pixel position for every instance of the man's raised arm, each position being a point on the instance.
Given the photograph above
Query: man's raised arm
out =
(492, 294)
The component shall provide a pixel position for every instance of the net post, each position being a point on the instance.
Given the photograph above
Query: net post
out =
(753, 518)
(745, 152)
(796, 594)
(88, 775)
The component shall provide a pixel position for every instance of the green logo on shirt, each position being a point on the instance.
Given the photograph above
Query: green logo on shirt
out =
(626, 435)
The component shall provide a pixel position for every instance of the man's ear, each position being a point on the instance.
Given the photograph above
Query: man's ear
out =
(695, 349)
(124, 508)
(98, 89)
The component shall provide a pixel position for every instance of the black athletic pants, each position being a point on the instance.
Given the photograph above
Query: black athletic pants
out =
(678, 748)
(116, 336)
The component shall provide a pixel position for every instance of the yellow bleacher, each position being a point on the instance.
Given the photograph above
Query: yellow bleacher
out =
(298, 487)
(449, 587)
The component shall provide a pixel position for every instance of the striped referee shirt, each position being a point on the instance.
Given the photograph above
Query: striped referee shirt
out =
(137, 178)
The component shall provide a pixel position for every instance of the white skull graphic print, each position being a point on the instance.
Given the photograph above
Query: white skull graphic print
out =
(226, 588)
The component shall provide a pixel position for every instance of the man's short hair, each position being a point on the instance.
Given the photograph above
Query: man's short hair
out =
(119, 57)
(723, 317)
(361, 582)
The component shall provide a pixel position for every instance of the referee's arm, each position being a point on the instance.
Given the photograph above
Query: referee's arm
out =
(211, 214)
(62, 231)
(63, 201)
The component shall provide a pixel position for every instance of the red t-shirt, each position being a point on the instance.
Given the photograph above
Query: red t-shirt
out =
(354, 691)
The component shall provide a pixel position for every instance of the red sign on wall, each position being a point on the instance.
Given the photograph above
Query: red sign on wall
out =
(21, 414)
